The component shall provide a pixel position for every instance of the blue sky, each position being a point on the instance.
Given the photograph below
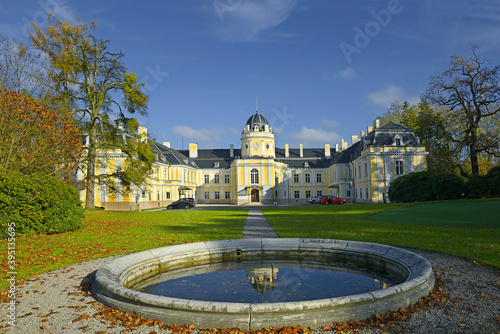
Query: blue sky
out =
(321, 70)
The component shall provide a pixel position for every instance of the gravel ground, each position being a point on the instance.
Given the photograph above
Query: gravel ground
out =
(53, 303)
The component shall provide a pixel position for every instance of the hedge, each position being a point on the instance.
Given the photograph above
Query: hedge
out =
(424, 186)
(37, 203)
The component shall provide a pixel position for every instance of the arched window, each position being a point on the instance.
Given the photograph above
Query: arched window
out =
(254, 176)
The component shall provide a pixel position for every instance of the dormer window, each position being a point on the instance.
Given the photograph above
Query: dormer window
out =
(217, 164)
(397, 141)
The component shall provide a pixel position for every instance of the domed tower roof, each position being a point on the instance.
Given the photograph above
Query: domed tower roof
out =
(257, 120)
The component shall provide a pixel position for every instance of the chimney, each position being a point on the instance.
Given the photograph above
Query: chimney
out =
(337, 148)
(362, 133)
(354, 139)
(142, 132)
(301, 151)
(376, 123)
(166, 144)
(287, 151)
(193, 150)
(327, 150)
(231, 150)
(344, 145)
(369, 129)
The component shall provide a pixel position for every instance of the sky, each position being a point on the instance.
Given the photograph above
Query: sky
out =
(318, 70)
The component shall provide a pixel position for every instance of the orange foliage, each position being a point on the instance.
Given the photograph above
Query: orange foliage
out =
(36, 138)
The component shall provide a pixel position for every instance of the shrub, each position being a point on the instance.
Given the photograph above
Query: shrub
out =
(494, 181)
(447, 186)
(412, 187)
(476, 186)
(38, 203)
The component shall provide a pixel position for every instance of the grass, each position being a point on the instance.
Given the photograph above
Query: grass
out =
(468, 229)
(108, 233)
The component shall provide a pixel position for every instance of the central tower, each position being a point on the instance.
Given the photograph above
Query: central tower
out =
(257, 138)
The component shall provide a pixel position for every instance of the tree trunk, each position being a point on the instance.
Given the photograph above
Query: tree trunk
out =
(473, 153)
(90, 184)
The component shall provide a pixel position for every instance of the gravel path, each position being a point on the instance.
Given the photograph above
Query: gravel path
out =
(53, 302)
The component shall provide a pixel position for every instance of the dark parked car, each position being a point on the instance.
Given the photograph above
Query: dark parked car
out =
(329, 199)
(181, 204)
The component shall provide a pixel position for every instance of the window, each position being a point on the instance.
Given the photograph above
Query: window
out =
(217, 178)
(226, 178)
(296, 178)
(207, 178)
(217, 194)
(399, 167)
(167, 194)
(296, 194)
(307, 177)
(308, 193)
(319, 177)
(348, 194)
(398, 142)
(359, 170)
(366, 193)
(157, 174)
(319, 193)
(207, 194)
(158, 195)
(227, 195)
(276, 193)
(366, 168)
(254, 176)
(355, 175)
(360, 193)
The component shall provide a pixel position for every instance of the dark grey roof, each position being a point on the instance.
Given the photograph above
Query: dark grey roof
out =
(257, 119)
(169, 155)
(386, 135)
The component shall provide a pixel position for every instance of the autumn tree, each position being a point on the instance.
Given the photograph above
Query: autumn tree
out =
(89, 78)
(429, 124)
(468, 94)
(36, 138)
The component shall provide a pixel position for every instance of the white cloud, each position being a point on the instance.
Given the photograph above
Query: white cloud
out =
(385, 97)
(308, 136)
(347, 73)
(199, 135)
(244, 20)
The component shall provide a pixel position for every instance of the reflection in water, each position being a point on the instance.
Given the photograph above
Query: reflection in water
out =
(262, 279)
(263, 282)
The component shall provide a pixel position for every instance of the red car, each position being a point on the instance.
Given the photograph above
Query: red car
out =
(329, 199)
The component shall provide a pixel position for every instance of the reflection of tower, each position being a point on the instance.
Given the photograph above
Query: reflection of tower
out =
(262, 279)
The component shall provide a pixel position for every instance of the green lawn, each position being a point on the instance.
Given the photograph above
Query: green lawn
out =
(465, 228)
(108, 233)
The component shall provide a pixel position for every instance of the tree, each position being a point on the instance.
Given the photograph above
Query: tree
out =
(469, 95)
(430, 126)
(87, 78)
(36, 138)
(22, 70)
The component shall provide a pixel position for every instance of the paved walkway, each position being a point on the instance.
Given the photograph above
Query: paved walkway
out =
(256, 226)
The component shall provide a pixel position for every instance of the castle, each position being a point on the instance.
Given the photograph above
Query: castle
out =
(260, 172)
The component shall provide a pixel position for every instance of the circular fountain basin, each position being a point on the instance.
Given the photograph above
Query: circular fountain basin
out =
(114, 280)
